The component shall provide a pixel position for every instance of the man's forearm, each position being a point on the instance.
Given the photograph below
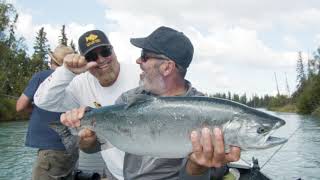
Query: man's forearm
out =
(52, 94)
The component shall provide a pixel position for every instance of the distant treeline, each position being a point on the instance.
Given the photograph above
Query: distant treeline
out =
(306, 98)
(16, 66)
(254, 101)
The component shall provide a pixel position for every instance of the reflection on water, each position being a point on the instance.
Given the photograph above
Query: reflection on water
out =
(15, 159)
(298, 158)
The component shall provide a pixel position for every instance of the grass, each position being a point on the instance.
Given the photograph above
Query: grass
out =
(292, 108)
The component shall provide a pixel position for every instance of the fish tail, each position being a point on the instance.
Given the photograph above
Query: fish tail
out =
(57, 127)
(70, 141)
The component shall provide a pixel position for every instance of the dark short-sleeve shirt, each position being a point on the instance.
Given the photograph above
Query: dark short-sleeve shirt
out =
(39, 134)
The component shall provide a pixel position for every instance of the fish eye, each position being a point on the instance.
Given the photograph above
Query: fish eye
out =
(261, 130)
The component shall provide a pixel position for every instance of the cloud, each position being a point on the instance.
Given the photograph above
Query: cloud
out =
(291, 42)
(11, 1)
(24, 25)
(209, 77)
(240, 47)
(228, 36)
(27, 29)
(302, 18)
(207, 13)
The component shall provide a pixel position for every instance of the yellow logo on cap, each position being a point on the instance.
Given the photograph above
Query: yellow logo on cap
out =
(92, 39)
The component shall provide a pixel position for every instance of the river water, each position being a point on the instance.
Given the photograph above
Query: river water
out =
(298, 158)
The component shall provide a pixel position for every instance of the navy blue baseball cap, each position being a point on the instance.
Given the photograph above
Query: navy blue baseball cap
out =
(91, 40)
(169, 42)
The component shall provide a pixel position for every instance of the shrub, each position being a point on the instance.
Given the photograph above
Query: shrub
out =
(8, 110)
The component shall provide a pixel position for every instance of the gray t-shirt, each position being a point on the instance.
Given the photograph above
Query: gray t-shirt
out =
(145, 167)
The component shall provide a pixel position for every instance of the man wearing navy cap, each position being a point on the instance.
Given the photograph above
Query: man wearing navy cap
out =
(166, 55)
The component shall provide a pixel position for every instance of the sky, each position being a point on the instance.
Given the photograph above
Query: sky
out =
(239, 46)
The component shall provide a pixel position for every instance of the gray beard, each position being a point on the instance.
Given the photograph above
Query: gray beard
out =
(157, 87)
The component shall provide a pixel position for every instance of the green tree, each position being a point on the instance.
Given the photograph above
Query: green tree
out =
(229, 95)
(311, 71)
(73, 46)
(243, 99)
(63, 37)
(13, 57)
(7, 12)
(40, 55)
(316, 61)
(11, 41)
(14, 62)
(301, 77)
(309, 99)
(236, 98)
(254, 101)
(278, 101)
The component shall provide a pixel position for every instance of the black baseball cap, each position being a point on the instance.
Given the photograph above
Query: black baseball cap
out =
(169, 42)
(92, 39)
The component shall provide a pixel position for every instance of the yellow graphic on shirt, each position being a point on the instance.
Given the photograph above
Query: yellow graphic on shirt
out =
(92, 39)
(97, 105)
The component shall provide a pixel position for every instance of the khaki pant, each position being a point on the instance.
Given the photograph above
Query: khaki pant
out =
(54, 165)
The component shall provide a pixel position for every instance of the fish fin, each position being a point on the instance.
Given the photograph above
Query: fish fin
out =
(57, 126)
(71, 144)
(140, 98)
(70, 141)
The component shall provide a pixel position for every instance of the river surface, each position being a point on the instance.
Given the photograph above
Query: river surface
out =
(298, 158)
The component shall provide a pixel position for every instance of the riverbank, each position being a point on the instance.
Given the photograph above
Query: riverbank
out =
(8, 111)
(292, 108)
(286, 108)
(316, 113)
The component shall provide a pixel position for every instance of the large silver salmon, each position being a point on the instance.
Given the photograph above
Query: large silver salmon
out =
(161, 126)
